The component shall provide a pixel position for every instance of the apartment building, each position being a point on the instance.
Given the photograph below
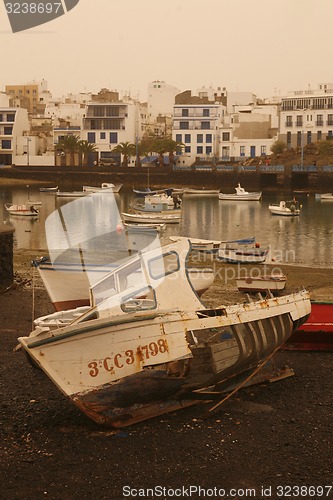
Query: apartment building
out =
(14, 123)
(307, 116)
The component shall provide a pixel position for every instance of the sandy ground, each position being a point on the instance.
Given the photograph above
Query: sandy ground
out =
(272, 435)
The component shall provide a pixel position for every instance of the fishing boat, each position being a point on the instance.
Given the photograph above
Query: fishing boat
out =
(156, 218)
(286, 208)
(106, 187)
(326, 197)
(316, 333)
(239, 253)
(67, 284)
(155, 347)
(23, 210)
(241, 195)
(210, 246)
(143, 227)
(71, 194)
(48, 189)
(201, 192)
(160, 202)
(273, 282)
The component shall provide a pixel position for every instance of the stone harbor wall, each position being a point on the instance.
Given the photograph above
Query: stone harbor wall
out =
(6, 255)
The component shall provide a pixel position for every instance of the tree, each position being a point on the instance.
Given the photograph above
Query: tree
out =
(278, 147)
(127, 149)
(85, 147)
(69, 144)
(160, 146)
(173, 147)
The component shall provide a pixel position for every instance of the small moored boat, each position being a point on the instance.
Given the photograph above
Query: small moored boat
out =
(241, 195)
(273, 282)
(240, 253)
(156, 218)
(24, 209)
(106, 187)
(286, 208)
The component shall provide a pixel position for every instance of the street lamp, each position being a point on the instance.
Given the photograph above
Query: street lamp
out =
(28, 157)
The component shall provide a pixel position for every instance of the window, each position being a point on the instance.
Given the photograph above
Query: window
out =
(288, 138)
(113, 137)
(242, 151)
(199, 138)
(91, 137)
(329, 119)
(187, 149)
(289, 121)
(320, 120)
(168, 263)
(187, 138)
(208, 150)
(330, 133)
(102, 135)
(209, 138)
(184, 125)
(179, 137)
(309, 137)
(10, 117)
(263, 150)
(299, 138)
(205, 112)
(199, 150)
(8, 130)
(225, 136)
(319, 135)
(0, 117)
(5, 144)
(299, 120)
(205, 125)
(185, 112)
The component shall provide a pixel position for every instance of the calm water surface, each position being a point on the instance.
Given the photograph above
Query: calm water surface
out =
(305, 240)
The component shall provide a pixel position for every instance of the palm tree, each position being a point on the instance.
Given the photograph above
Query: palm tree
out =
(86, 147)
(160, 146)
(173, 147)
(69, 144)
(127, 149)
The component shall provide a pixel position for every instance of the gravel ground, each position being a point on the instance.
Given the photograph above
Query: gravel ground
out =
(272, 435)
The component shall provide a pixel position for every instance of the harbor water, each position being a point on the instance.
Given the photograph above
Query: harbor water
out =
(305, 240)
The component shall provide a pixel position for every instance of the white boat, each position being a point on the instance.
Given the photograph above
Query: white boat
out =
(156, 218)
(71, 194)
(160, 202)
(67, 284)
(144, 227)
(240, 253)
(287, 208)
(23, 209)
(273, 282)
(130, 358)
(241, 194)
(48, 189)
(210, 246)
(106, 187)
(201, 192)
(326, 196)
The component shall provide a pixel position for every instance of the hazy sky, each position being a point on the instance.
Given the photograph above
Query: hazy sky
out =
(263, 46)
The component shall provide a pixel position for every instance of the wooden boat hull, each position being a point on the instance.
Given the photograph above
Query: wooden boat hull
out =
(201, 192)
(316, 334)
(243, 256)
(261, 283)
(152, 219)
(106, 375)
(21, 210)
(255, 196)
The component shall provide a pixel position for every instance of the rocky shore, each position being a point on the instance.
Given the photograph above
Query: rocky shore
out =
(271, 436)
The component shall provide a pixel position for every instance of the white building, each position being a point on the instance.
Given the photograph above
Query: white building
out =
(307, 116)
(14, 123)
(197, 127)
(161, 99)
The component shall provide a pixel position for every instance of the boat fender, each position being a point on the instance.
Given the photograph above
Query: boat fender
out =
(257, 245)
